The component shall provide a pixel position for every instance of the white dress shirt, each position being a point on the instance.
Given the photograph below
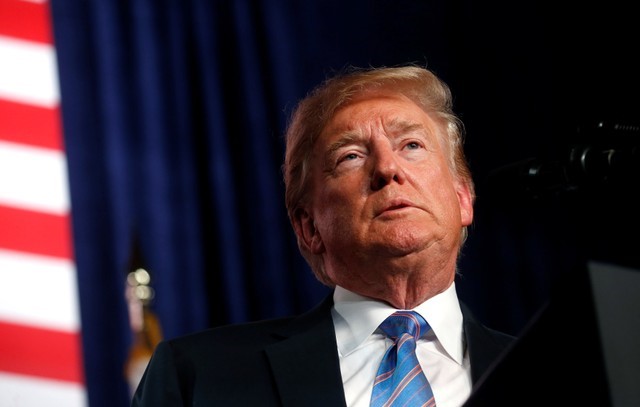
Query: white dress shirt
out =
(442, 353)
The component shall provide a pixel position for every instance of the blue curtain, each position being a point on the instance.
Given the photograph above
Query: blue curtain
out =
(173, 114)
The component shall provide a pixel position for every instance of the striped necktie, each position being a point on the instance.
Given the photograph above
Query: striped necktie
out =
(400, 380)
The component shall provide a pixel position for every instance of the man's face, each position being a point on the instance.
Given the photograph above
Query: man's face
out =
(382, 187)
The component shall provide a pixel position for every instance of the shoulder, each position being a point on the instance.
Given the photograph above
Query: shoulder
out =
(484, 345)
(257, 333)
(476, 331)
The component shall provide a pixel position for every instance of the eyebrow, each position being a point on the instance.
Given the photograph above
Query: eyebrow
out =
(346, 138)
(349, 136)
(396, 125)
(404, 126)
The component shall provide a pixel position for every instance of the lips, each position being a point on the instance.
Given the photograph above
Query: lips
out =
(393, 207)
(396, 204)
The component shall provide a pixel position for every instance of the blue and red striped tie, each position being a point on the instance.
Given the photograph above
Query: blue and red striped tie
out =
(400, 380)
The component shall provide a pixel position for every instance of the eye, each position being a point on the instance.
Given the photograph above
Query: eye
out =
(413, 145)
(348, 157)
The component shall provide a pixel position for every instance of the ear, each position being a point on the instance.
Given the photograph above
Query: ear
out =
(465, 199)
(307, 233)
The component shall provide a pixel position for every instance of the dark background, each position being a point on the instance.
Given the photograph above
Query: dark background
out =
(173, 116)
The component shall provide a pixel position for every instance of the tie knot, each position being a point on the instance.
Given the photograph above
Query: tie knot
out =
(401, 322)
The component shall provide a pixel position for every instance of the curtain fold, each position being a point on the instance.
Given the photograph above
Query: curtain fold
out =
(174, 130)
(173, 115)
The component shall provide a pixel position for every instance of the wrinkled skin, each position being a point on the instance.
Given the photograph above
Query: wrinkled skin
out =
(386, 211)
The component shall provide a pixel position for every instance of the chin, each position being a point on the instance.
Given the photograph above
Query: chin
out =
(399, 247)
(406, 239)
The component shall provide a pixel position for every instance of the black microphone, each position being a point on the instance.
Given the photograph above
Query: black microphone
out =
(603, 154)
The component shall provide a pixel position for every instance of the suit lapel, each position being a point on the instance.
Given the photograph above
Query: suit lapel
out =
(306, 367)
(485, 345)
(305, 362)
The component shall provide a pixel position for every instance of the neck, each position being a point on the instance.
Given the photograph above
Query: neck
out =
(400, 284)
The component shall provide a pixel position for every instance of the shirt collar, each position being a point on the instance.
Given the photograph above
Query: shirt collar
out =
(356, 317)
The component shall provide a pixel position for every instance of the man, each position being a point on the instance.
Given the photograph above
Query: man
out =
(379, 195)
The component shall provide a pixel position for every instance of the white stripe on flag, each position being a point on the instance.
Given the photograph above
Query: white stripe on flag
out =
(39, 291)
(27, 391)
(33, 178)
(28, 72)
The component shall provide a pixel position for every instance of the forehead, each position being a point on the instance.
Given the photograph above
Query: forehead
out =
(390, 110)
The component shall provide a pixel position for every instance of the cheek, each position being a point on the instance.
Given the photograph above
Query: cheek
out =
(342, 194)
(335, 211)
(440, 191)
(338, 208)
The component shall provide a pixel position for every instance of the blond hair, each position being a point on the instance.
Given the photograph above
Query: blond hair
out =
(314, 112)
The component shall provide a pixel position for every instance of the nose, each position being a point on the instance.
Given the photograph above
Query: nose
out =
(386, 168)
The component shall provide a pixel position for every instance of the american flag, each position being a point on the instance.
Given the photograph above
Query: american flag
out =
(40, 330)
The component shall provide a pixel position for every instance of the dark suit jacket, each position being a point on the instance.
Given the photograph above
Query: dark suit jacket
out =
(284, 362)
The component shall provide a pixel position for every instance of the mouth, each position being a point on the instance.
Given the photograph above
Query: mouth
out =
(396, 205)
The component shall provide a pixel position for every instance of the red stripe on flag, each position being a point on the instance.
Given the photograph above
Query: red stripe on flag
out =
(25, 20)
(28, 124)
(35, 232)
(40, 352)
